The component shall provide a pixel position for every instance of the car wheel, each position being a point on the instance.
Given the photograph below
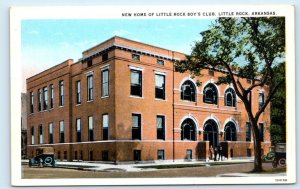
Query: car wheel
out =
(48, 160)
(281, 162)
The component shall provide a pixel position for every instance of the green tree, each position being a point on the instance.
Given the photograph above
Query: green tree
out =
(278, 109)
(243, 48)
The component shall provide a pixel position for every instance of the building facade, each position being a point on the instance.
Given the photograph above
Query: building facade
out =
(123, 101)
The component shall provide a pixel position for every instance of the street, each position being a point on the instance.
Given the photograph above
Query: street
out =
(204, 171)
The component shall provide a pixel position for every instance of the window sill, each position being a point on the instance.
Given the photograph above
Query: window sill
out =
(104, 96)
(158, 99)
(139, 97)
(90, 100)
(187, 101)
(78, 104)
(61, 106)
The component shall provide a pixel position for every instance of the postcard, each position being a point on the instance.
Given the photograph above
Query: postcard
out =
(156, 95)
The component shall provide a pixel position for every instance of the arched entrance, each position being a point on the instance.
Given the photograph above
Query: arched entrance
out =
(210, 132)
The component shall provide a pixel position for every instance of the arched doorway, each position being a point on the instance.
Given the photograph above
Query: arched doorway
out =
(211, 132)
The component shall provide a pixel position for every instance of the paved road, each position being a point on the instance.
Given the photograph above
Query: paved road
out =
(212, 171)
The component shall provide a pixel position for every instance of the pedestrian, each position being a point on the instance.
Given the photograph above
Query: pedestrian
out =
(211, 152)
(220, 153)
(215, 153)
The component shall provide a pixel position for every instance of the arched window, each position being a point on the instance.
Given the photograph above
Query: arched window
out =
(188, 130)
(188, 91)
(210, 94)
(230, 132)
(230, 97)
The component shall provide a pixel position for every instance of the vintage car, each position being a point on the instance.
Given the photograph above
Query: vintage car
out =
(44, 157)
(280, 155)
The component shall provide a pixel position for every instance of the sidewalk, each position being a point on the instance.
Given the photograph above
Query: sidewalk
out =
(134, 167)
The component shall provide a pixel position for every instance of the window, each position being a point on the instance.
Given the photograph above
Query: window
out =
(137, 155)
(210, 94)
(230, 97)
(261, 100)
(50, 133)
(75, 155)
(136, 83)
(91, 128)
(78, 92)
(31, 102)
(261, 132)
(91, 156)
(65, 155)
(40, 100)
(58, 155)
(230, 132)
(61, 132)
(250, 97)
(89, 63)
(188, 130)
(105, 83)
(90, 91)
(159, 86)
(61, 93)
(160, 122)
(105, 155)
(32, 135)
(160, 62)
(188, 91)
(41, 138)
(78, 130)
(104, 57)
(51, 96)
(135, 57)
(81, 155)
(160, 154)
(248, 131)
(105, 124)
(189, 154)
(248, 152)
(45, 98)
(136, 126)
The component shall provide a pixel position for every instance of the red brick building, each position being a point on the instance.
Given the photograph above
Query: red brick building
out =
(122, 101)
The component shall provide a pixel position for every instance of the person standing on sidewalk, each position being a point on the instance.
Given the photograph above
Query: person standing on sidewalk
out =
(215, 153)
(211, 152)
(220, 153)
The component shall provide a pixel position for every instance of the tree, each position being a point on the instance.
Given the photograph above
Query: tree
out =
(278, 110)
(242, 48)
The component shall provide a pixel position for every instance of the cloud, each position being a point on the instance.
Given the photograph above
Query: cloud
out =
(120, 32)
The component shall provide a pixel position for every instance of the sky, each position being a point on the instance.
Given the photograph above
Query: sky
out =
(46, 43)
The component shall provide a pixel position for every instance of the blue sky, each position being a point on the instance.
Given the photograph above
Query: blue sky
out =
(46, 43)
